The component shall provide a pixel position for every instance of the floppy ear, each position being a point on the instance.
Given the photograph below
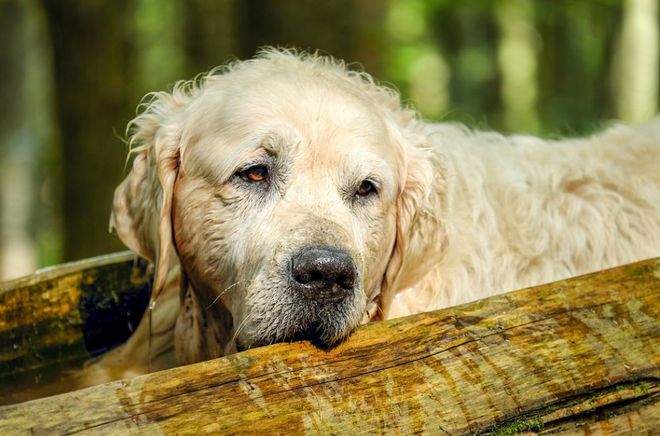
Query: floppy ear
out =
(142, 207)
(417, 177)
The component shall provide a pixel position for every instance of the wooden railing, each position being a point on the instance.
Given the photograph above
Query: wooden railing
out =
(580, 354)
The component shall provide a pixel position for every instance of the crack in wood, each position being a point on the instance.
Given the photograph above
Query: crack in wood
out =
(617, 407)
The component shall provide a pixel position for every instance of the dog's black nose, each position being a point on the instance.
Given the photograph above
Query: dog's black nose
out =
(323, 274)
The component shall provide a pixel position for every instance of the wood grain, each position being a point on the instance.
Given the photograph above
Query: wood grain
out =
(580, 355)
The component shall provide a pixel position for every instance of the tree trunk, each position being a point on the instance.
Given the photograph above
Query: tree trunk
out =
(29, 235)
(517, 56)
(91, 72)
(211, 33)
(637, 62)
(331, 27)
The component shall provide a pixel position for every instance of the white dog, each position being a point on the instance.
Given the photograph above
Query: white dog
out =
(286, 197)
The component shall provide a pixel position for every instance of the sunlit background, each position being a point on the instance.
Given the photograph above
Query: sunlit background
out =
(73, 71)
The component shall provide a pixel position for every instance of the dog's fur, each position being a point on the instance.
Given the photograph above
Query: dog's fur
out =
(458, 215)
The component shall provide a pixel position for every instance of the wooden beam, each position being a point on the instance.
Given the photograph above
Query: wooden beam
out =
(580, 353)
(58, 318)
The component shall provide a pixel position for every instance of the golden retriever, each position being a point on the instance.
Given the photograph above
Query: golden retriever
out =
(287, 197)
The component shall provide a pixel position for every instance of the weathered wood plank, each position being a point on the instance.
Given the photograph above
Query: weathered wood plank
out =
(580, 354)
(61, 316)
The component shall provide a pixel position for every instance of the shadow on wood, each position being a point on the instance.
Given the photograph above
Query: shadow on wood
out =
(581, 354)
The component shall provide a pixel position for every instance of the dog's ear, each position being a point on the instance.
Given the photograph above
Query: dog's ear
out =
(417, 178)
(142, 207)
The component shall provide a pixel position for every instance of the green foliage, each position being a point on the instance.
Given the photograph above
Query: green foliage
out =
(159, 40)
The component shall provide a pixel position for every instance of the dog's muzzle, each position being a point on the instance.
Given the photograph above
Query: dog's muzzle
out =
(323, 274)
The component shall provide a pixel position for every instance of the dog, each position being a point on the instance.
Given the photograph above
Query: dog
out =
(288, 197)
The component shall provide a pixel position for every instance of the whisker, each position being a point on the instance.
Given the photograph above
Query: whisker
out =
(241, 326)
(221, 294)
(380, 310)
(151, 311)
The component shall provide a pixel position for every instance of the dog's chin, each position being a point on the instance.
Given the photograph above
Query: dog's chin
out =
(322, 333)
(312, 333)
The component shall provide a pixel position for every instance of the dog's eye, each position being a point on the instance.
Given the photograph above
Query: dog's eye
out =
(365, 188)
(255, 174)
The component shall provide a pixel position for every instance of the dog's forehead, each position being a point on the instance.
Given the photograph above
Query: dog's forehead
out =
(317, 107)
(306, 116)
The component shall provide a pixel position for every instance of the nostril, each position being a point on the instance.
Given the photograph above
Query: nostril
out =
(315, 276)
(302, 277)
(346, 281)
(323, 270)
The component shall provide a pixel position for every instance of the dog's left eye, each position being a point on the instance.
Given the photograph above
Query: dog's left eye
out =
(366, 188)
(255, 174)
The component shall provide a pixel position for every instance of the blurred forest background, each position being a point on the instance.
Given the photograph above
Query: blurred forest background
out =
(73, 71)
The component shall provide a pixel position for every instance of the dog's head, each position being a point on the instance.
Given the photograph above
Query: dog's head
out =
(285, 186)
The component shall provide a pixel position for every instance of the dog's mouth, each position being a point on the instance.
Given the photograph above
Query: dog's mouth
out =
(317, 335)
(311, 333)
(317, 332)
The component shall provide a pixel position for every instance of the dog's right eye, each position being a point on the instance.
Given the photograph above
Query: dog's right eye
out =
(366, 188)
(255, 174)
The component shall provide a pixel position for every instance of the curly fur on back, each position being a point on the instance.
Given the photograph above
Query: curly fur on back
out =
(520, 211)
